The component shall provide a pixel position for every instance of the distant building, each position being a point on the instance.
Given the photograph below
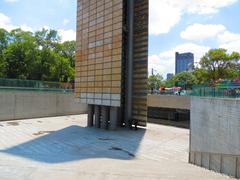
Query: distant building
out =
(184, 62)
(169, 76)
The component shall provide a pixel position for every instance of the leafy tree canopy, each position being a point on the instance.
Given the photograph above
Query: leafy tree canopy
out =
(155, 81)
(184, 79)
(36, 56)
(218, 64)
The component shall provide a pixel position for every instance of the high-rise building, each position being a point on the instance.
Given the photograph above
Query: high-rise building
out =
(111, 65)
(184, 62)
(169, 76)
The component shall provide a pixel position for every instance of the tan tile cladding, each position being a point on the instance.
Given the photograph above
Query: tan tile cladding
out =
(99, 48)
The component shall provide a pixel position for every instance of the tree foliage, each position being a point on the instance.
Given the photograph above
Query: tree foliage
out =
(218, 64)
(215, 65)
(36, 56)
(155, 81)
(184, 79)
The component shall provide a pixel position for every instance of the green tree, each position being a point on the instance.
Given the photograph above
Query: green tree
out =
(46, 41)
(184, 79)
(36, 56)
(62, 70)
(47, 38)
(4, 38)
(155, 81)
(169, 83)
(66, 65)
(220, 65)
(68, 50)
(19, 54)
(201, 75)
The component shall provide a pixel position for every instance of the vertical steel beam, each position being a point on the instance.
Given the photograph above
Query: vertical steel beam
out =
(113, 118)
(129, 67)
(90, 115)
(105, 117)
(97, 116)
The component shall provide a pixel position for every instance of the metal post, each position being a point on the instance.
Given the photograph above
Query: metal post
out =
(97, 116)
(113, 118)
(128, 92)
(90, 115)
(105, 117)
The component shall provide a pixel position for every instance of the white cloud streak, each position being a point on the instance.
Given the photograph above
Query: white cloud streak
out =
(165, 14)
(224, 38)
(202, 31)
(6, 23)
(67, 35)
(11, 1)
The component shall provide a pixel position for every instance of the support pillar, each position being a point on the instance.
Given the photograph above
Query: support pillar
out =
(97, 116)
(113, 118)
(105, 117)
(90, 115)
(129, 80)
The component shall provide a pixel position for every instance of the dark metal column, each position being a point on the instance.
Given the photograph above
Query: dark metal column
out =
(113, 118)
(97, 116)
(128, 92)
(90, 115)
(105, 117)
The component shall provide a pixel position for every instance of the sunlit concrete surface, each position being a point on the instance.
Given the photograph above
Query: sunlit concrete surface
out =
(63, 148)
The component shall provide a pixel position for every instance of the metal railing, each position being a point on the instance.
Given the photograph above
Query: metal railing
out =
(222, 90)
(33, 85)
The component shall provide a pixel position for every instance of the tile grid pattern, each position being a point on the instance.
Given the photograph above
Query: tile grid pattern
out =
(99, 52)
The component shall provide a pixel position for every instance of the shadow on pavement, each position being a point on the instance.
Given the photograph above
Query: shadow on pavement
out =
(78, 143)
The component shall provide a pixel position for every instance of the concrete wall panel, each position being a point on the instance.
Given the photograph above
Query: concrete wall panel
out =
(205, 160)
(215, 162)
(192, 157)
(198, 159)
(238, 167)
(215, 130)
(215, 125)
(174, 102)
(7, 102)
(229, 165)
(22, 105)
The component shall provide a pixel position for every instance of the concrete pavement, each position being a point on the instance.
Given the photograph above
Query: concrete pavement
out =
(63, 148)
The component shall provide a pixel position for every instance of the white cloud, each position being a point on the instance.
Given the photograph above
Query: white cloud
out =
(6, 23)
(67, 35)
(231, 46)
(208, 6)
(165, 62)
(202, 31)
(229, 41)
(66, 22)
(227, 37)
(24, 27)
(165, 14)
(10, 1)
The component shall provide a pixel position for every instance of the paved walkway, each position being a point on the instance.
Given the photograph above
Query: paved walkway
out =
(63, 148)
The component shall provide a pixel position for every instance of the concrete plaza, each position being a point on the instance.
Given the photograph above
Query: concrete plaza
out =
(64, 148)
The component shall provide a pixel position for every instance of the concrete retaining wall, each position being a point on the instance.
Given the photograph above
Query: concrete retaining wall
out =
(23, 105)
(215, 134)
(172, 102)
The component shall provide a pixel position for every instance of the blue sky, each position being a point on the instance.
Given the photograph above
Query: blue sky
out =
(175, 25)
